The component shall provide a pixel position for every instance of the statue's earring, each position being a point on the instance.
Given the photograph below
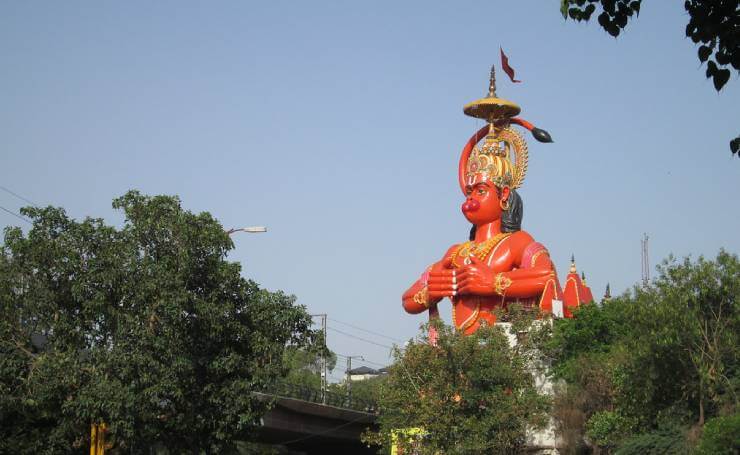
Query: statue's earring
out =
(504, 204)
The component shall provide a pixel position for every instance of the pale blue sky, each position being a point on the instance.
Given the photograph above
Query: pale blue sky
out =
(339, 125)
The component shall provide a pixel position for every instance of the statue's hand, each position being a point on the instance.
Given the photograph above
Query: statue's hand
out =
(442, 280)
(476, 278)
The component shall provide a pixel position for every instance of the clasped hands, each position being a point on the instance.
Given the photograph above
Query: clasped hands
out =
(474, 278)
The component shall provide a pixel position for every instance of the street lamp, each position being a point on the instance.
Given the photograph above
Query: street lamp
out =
(249, 230)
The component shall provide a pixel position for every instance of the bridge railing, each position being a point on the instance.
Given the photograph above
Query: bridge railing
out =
(315, 395)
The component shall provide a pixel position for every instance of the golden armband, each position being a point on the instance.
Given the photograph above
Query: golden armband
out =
(501, 283)
(422, 297)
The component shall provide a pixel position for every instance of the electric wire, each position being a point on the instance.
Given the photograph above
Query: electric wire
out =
(18, 196)
(366, 361)
(376, 363)
(360, 338)
(396, 340)
(16, 215)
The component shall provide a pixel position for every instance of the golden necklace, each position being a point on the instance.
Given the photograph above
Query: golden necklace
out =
(479, 250)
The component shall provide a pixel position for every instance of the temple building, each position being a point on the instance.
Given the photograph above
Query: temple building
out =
(575, 291)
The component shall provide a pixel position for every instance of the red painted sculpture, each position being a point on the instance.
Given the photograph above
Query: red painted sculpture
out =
(501, 263)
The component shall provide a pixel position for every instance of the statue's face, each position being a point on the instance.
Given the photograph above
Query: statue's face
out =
(482, 204)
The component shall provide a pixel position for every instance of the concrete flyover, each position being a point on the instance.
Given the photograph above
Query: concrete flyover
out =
(302, 427)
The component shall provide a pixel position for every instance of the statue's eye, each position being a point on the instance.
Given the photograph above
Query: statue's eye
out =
(482, 191)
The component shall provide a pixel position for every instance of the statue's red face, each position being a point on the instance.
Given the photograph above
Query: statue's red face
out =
(482, 204)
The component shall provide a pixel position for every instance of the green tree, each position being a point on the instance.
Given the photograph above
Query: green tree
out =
(147, 328)
(365, 392)
(643, 368)
(687, 343)
(714, 25)
(594, 331)
(305, 365)
(469, 394)
(368, 390)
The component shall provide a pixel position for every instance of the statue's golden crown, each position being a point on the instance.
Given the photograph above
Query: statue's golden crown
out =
(492, 161)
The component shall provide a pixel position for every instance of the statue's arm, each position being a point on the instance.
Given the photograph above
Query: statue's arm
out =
(534, 270)
(417, 298)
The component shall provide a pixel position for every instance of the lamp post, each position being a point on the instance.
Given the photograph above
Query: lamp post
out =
(249, 230)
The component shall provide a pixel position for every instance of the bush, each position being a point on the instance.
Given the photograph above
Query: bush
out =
(664, 441)
(721, 436)
(608, 428)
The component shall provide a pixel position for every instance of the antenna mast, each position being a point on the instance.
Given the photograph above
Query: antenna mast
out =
(645, 260)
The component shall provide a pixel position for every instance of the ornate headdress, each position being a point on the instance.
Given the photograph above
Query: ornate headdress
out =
(492, 162)
(502, 159)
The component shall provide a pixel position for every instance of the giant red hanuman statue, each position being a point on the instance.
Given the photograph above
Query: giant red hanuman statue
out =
(501, 263)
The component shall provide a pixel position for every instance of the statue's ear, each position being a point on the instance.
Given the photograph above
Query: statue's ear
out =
(505, 193)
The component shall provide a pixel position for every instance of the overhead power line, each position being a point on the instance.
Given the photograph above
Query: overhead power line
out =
(376, 363)
(360, 338)
(367, 361)
(16, 215)
(395, 340)
(18, 196)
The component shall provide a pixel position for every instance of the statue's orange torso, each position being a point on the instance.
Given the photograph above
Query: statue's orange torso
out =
(533, 283)
(469, 312)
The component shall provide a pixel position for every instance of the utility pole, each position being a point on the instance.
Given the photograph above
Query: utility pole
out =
(324, 373)
(349, 376)
(645, 261)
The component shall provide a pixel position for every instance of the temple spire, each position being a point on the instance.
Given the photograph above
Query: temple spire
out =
(607, 293)
(572, 263)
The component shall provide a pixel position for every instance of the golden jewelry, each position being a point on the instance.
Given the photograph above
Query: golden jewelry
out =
(469, 321)
(481, 251)
(501, 159)
(422, 297)
(504, 205)
(501, 283)
(472, 318)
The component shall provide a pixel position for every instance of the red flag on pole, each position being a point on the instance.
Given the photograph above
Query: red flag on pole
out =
(505, 66)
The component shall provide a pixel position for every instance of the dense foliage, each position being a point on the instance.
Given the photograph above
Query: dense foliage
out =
(304, 363)
(648, 369)
(721, 436)
(367, 390)
(468, 394)
(146, 328)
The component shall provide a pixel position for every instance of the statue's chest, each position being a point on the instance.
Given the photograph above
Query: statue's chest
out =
(493, 252)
